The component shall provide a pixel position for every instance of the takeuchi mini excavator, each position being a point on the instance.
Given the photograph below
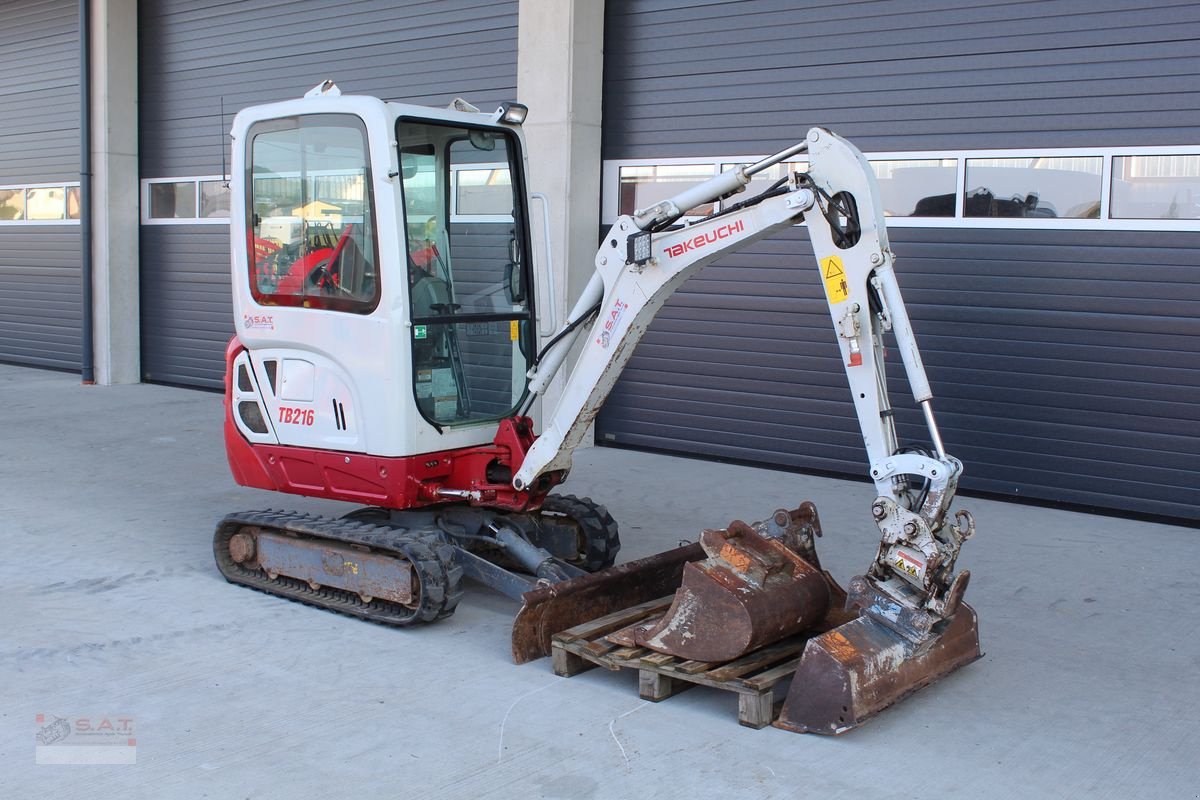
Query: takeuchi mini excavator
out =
(395, 331)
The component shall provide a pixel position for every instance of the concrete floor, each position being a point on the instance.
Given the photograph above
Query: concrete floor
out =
(111, 605)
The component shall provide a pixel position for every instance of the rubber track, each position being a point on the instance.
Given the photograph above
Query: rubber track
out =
(602, 540)
(434, 562)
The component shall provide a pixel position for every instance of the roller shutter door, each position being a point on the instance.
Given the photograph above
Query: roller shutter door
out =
(197, 55)
(39, 145)
(1065, 363)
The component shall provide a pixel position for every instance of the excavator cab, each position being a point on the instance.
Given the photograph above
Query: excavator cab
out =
(381, 277)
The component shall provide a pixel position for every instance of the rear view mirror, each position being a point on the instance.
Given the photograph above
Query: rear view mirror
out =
(410, 159)
(482, 140)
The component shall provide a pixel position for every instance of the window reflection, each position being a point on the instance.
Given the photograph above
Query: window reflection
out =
(1043, 187)
(12, 204)
(214, 199)
(642, 187)
(46, 202)
(1155, 187)
(72, 202)
(917, 187)
(312, 239)
(483, 192)
(173, 200)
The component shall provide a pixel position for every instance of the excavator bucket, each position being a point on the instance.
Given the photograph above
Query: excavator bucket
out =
(749, 592)
(558, 606)
(856, 670)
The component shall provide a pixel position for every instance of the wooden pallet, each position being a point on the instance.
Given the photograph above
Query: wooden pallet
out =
(752, 676)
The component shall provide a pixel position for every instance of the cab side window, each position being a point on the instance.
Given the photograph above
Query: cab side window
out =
(312, 230)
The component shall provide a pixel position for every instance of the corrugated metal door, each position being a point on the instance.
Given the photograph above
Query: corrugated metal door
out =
(197, 55)
(1066, 363)
(39, 145)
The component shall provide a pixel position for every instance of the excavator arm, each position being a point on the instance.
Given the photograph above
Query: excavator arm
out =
(645, 257)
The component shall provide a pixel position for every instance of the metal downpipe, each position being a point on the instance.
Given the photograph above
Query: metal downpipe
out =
(88, 358)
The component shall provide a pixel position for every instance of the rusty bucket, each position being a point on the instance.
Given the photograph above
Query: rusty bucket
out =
(854, 671)
(749, 592)
(559, 606)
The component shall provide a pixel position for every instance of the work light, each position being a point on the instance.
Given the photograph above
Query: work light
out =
(513, 113)
(639, 248)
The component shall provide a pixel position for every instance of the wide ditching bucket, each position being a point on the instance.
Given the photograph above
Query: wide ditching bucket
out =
(851, 673)
(558, 606)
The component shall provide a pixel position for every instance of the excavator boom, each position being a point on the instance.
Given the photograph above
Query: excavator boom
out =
(746, 587)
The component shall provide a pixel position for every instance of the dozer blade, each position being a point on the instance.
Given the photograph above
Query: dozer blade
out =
(559, 606)
(749, 592)
(856, 670)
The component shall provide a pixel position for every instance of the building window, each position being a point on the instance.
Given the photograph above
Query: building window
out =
(185, 201)
(214, 200)
(1147, 188)
(483, 191)
(173, 200)
(1156, 187)
(40, 204)
(12, 205)
(1041, 188)
(917, 187)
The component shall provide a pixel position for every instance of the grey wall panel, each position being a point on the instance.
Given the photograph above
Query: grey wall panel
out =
(39, 91)
(257, 52)
(39, 296)
(1065, 365)
(197, 55)
(747, 77)
(39, 143)
(187, 312)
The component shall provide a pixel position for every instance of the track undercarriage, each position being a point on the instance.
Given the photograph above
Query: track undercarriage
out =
(405, 567)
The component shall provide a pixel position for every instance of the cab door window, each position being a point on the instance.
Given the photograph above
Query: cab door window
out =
(312, 228)
(468, 287)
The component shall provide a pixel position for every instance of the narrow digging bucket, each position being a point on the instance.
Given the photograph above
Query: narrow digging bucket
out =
(749, 592)
(554, 608)
(850, 673)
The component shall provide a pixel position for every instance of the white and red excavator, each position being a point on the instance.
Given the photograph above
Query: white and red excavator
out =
(396, 333)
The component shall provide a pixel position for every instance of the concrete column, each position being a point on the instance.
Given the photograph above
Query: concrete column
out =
(560, 60)
(114, 99)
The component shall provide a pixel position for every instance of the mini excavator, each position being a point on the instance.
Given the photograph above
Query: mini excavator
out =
(395, 333)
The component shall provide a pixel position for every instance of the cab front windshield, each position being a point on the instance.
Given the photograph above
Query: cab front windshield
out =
(468, 289)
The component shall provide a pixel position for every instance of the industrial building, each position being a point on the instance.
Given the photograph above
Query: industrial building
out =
(1040, 163)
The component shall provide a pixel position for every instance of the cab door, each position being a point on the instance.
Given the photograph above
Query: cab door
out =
(469, 286)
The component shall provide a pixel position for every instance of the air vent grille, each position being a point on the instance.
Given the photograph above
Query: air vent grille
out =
(252, 416)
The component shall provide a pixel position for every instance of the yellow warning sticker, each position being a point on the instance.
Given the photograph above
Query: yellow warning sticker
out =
(514, 330)
(834, 276)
